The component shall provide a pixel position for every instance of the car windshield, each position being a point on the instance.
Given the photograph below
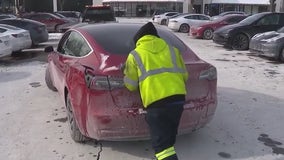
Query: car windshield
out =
(281, 30)
(251, 19)
(121, 42)
(59, 15)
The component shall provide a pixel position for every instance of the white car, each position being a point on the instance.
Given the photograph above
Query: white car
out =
(182, 23)
(5, 48)
(162, 18)
(19, 38)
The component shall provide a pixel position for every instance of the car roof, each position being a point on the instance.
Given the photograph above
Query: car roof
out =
(23, 20)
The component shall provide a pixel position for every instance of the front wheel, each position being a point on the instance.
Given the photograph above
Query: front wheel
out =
(184, 28)
(281, 55)
(76, 135)
(208, 33)
(48, 80)
(240, 42)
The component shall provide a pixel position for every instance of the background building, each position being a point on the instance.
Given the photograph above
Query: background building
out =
(214, 7)
(279, 6)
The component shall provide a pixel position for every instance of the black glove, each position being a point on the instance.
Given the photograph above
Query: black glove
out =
(122, 67)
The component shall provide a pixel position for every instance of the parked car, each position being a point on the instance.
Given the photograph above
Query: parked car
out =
(85, 70)
(206, 29)
(5, 47)
(182, 23)
(159, 12)
(53, 22)
(162, 18)
(227, 13)
(270, 44)
(237, 36)
(95, 14)
(174, 16)
(4, 16)
(38, 31)
(73, 15)
(98, 14)
(19, 38)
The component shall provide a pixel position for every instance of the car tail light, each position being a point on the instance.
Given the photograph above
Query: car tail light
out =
(209, 74)
(105, 82)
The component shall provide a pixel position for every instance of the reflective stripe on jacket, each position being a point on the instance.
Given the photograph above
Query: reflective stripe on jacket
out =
(156, 68)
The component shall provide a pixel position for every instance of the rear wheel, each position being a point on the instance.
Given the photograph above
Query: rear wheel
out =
(48, 80)
(240, 42)
(281, 55)
(76, 135)
(208, 33)
(184, 28)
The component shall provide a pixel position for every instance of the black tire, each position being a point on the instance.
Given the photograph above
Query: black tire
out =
(208, 33)
(240, 42)
(48, 80)
(281, 55)
(163, 22)
(76, 135)
(184, 28)
(56, 30)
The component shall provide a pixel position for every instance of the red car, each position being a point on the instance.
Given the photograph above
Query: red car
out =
(85, 70)
(206, 30)
(53, 22)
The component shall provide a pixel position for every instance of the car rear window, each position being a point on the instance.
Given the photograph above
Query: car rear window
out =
(121, 39)
(2, 30)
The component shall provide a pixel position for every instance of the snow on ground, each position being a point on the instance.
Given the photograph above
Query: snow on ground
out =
(248, 124)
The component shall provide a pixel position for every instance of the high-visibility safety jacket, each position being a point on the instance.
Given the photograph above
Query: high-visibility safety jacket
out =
(156, 68)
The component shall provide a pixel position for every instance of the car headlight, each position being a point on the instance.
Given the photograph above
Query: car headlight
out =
(226, 33)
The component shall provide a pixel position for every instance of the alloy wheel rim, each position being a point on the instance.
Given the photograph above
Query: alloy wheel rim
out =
(208, 33)
(184, 28)
(240, 42)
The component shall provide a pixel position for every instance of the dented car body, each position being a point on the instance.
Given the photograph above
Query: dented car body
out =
(85, 69)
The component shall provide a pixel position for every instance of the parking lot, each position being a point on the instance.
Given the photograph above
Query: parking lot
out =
(248, 124)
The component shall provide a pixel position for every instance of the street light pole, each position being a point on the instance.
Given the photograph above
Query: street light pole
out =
(16, 8)
(54, 5)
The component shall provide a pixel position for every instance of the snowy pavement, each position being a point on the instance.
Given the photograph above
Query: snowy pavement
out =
(248, 124)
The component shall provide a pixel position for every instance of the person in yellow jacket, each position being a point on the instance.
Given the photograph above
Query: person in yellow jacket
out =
(157, 70)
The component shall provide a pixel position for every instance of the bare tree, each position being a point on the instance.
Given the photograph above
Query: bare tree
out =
(61, 4)
(272, 5)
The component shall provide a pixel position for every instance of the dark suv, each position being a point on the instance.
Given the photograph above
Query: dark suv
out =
(98, 13)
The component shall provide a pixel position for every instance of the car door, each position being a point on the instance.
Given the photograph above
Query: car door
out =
(62, 58)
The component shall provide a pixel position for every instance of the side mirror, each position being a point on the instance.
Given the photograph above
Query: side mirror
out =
(48, 49)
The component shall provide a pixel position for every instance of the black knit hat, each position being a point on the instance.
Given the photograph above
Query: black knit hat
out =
(147, 29)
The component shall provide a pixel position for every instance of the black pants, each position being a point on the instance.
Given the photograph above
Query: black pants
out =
(163, 122)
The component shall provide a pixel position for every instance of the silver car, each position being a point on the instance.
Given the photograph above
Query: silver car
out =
(270, 44)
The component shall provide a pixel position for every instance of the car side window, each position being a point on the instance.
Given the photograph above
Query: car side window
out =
(233, 20)
(170, 14)
(203, 17)
(189, 17)
(269, 20)
(75, 45)
(2, 30)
